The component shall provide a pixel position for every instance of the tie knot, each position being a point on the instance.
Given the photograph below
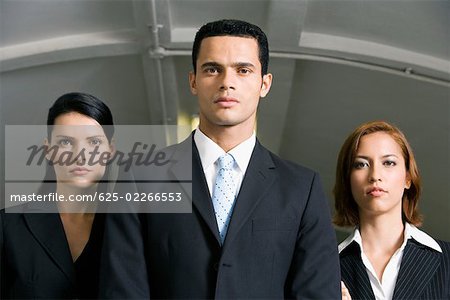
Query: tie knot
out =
(226, 161)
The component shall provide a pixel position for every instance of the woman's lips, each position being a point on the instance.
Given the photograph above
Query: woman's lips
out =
(79, 171)
(376, 192)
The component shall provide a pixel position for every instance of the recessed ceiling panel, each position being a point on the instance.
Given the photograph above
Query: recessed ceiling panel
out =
(23, 21)
(421, 26)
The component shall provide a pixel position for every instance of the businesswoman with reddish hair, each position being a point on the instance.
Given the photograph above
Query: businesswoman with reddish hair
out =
(377, 191)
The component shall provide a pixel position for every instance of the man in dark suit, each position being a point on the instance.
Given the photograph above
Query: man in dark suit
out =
(260, 226)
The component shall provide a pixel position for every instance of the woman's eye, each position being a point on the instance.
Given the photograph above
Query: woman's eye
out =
(95, 142)
(390, 163)
(65, 143)
(360, 164)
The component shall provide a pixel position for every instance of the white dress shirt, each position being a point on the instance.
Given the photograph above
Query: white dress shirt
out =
(209, 152)
(384, 290)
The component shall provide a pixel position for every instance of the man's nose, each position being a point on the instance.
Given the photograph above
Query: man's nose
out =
(228, 80)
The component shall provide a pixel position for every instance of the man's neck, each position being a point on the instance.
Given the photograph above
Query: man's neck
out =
(227, 137)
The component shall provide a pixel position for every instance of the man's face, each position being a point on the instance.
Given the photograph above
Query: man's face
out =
(228, 81)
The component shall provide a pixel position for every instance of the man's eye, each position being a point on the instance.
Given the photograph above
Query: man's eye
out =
(211, 70)
(244, 71)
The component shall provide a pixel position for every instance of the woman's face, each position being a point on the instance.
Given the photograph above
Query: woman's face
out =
(379, 177)
(79, 150)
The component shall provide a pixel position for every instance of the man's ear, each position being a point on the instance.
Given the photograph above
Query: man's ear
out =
(266, 84)
(192, 83)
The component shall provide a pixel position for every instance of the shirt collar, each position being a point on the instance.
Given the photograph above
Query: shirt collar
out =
(355, 236)
(209, 151)
(243, 152)
(411, 231)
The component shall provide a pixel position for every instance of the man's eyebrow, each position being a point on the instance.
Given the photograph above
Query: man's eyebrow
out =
(243, 64)
(210, 64)
(234, 65)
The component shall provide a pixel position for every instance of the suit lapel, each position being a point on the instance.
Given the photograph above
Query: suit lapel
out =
(186, 158)
(258, 178)
(200, 195)
(354, 273)
(418, 266)
(48, 230)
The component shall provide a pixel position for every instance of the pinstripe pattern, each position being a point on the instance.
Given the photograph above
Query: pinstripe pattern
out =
(439, 286)
(354, 274)
(424, 273)
(419, 263)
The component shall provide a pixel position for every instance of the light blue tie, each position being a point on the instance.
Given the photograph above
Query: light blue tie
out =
(224, 194)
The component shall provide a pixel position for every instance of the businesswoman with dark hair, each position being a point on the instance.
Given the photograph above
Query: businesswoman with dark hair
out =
(56, 255)
(377, 191)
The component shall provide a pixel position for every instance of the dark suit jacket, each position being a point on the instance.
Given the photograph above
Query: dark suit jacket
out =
(424, 273)
(280, 243)
(35, 257)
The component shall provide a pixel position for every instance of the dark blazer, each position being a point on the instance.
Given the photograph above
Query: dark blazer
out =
(424, 273)
(35, 257)
(280, 243)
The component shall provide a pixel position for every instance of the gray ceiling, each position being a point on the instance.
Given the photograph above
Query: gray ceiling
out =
(335, 64)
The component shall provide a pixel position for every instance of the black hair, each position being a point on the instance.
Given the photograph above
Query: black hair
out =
(84, 104)
(233, 28)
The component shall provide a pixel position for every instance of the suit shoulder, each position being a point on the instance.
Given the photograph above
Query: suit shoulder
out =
(291, 167)
(445, 258)
(8, 219)
(445, 246)
(293, 174)
(174, 151)
(15, 210)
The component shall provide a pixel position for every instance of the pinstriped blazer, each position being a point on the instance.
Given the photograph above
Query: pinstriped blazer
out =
(424, 273)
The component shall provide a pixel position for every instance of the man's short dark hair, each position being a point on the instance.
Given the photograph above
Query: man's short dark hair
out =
(233, 28)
